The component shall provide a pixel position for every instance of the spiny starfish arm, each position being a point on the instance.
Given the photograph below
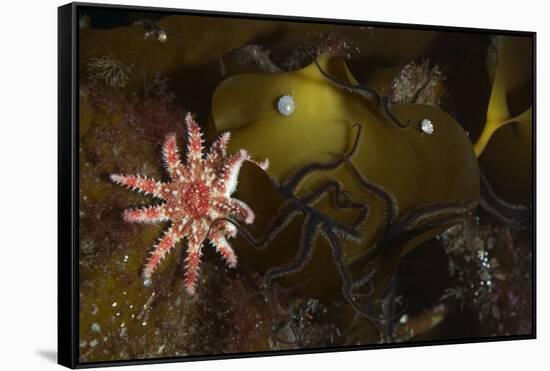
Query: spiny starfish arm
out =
(218, 150)
(229, 230)
(264, 165)
(194, 140)
(224, 249)
(192, 264)
(165, 244)
(138, 183)
(151, 215)
(234, 208)
(171, 154)
(229, 172)
(193, 259)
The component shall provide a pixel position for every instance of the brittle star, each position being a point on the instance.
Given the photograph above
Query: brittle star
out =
(315, 221)
(396, 231)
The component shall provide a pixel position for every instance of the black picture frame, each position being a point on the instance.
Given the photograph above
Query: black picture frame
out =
(68, 182)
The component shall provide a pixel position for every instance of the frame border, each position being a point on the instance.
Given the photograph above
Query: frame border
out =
(68, 184)
(67, 235)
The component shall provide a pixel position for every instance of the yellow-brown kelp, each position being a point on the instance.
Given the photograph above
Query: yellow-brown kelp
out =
(427, 178)
(505, 146)
(511, 73)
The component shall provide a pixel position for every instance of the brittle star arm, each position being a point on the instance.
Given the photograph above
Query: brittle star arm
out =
(303, 256)
(288, 187)
(349, 285)
(383, 102)
(417, 220)
(285, 215)
(348, 231)
(514, 215)
(389, 199)
(325, 188)
(347, 280)
(345, 275)
(430, 216)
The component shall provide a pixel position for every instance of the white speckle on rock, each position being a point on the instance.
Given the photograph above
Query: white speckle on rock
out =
(96, 327)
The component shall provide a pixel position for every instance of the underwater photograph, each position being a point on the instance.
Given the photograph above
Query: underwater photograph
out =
(253, 184)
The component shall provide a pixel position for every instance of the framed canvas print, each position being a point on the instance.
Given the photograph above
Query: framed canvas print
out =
(237, 185)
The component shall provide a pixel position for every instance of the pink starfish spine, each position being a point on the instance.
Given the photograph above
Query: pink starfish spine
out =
(198, 194)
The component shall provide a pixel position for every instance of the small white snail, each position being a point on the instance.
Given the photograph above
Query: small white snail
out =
(427, 127)
(286, 105)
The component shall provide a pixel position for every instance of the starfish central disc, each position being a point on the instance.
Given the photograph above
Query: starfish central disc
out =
(196, 199)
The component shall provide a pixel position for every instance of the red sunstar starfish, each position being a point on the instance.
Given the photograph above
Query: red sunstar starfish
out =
(198, 193)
